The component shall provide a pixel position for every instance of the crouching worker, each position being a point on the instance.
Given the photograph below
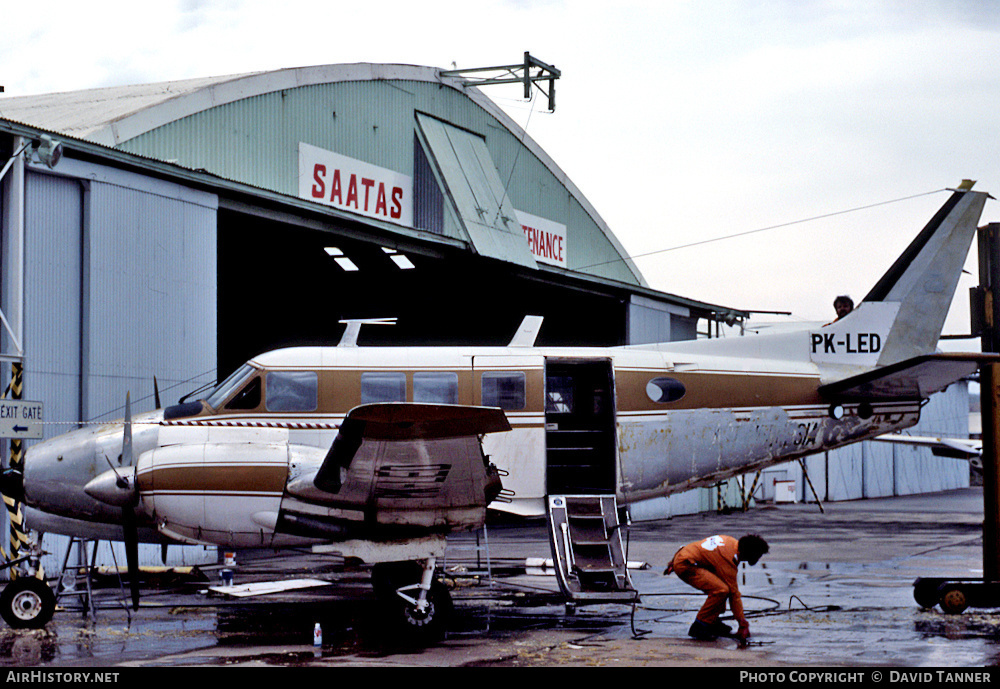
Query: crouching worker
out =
(711, 566)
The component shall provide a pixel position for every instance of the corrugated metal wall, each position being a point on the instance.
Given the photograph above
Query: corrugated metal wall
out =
(120, 286)
(152, 307)
(54, 262)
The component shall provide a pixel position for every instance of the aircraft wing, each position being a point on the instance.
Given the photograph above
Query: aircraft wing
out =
(912, 379)
(411, 451)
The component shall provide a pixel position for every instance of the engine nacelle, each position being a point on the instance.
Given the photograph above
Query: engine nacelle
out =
(210, 493)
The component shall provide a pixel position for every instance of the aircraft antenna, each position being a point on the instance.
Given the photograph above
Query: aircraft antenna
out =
(350, 336)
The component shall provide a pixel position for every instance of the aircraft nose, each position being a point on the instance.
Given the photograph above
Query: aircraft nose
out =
(56, 470)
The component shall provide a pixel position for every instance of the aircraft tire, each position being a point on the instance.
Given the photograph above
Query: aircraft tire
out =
(27, 603)
(389, 576)
(431, 624)
(925, 592)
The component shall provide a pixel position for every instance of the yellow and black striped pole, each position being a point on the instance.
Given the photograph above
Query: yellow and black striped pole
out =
(18, 534)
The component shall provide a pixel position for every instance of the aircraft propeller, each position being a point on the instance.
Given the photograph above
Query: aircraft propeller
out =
(114, 488)
(129, 528)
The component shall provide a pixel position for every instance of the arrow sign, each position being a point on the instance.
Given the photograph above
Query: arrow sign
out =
(20, 419)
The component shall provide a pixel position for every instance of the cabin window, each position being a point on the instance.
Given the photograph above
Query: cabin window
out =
(663, 390)
(248, 397)
(383, 387)
(435, 387)
(504, 389)
(290, 391)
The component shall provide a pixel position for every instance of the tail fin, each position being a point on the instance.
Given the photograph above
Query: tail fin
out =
(920, 285)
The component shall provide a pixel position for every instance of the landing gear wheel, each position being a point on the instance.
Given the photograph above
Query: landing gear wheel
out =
(953, 600)
(925, 592)
(387, 577)
(27, 603)
(429, 623)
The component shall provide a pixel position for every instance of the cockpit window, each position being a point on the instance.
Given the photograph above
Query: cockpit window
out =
(236, 380)
(248, 397)
(292, 391)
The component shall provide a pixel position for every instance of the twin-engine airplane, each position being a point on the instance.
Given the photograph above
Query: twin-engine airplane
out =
(379, 453)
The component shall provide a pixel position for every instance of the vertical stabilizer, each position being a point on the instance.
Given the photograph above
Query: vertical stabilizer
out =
(922, 281)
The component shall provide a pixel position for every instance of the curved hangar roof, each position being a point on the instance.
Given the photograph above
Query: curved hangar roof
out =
(398, 143)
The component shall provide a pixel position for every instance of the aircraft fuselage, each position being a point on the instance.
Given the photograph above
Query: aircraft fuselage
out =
(639, 422)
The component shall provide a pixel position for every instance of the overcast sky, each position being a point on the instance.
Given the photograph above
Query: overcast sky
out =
(680, 121)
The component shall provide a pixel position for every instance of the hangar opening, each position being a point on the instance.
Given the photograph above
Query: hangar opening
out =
(282, 284)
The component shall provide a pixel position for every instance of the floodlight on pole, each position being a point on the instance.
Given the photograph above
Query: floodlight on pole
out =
(48, 150)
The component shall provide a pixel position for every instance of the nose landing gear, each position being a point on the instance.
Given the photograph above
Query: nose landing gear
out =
(420, 611)
(27, 603)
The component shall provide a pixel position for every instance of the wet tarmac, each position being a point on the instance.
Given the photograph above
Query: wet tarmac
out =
(835, 590)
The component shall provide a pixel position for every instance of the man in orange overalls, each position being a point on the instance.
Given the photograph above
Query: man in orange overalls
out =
(711, 566)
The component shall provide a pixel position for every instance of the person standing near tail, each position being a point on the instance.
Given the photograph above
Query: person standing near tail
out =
(711, 566)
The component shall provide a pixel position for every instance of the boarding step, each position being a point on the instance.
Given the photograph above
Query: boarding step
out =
(587, 548)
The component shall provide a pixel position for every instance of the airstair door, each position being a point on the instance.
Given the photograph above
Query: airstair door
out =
(580, 437)
(587, 549)
(581, 457)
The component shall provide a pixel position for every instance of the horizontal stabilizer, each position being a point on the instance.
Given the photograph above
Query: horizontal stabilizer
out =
(953, 448)
(912, 379)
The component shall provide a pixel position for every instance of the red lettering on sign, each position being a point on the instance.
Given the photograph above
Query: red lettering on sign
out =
(544, 244)
(335, 192)
(380, 203)
(397, 202)
(352, 192)
(319, 188)
(368, 184)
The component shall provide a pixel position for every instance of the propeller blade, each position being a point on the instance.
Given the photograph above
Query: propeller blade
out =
(127, 442)
(129, 528)
(156, 393)
(131, 537)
